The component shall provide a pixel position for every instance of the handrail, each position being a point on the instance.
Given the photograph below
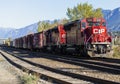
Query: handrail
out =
(88, 40)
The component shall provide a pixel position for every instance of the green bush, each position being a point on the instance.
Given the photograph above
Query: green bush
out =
(29, 79)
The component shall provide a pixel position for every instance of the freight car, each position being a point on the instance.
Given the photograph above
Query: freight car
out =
(87, 36)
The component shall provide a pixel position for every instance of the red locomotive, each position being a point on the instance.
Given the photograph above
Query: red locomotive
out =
(85, 36)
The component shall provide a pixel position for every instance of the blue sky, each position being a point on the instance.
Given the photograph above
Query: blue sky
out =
(20, 13)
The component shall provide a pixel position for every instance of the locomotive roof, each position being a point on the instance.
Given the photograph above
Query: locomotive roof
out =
(71, 23)
(65, 25)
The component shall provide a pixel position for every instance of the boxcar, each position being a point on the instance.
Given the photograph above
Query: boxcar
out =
(38, 40)
(25, 42)
(21, 42)
(30, 41)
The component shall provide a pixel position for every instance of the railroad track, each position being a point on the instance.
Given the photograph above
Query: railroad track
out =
(92, 63)
(41, 71)
(73, 75)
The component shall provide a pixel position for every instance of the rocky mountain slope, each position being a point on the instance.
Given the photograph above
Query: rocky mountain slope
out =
(113, 19)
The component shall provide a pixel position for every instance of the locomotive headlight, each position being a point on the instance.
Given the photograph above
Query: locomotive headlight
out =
(94, 46)
(108, 45)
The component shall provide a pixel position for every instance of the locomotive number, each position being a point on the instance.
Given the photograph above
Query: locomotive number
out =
(96, 31)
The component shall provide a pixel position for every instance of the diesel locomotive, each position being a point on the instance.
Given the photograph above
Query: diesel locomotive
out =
(87, 36)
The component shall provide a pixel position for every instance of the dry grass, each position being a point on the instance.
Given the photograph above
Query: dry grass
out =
(117, 41)
(116, 53)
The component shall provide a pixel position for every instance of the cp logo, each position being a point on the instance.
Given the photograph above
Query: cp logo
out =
(96, 31)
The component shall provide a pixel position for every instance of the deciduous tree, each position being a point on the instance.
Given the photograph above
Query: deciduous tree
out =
(83, 11)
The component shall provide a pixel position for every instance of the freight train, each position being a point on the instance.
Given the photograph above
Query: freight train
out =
(87, 36)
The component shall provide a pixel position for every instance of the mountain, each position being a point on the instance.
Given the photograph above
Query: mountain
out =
(4, 31)
(16, 33)
(113, 19)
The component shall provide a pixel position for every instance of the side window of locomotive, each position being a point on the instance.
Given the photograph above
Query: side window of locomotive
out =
(90, 24)
(103, 24)
(97, 24)
(83, 25)
(78, 25)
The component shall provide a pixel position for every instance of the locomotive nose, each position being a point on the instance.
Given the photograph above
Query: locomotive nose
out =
(100, 38)
(100, 49)
(99, 33)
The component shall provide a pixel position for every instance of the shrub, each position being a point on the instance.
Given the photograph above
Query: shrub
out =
(29, 79)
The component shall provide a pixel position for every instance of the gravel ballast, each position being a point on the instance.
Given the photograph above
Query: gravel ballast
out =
(8, 73)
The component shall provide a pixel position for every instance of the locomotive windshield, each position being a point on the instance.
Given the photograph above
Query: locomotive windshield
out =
(103, 24)
(96, 24)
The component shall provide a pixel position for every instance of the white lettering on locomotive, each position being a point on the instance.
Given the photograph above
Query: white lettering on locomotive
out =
(96, 31)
